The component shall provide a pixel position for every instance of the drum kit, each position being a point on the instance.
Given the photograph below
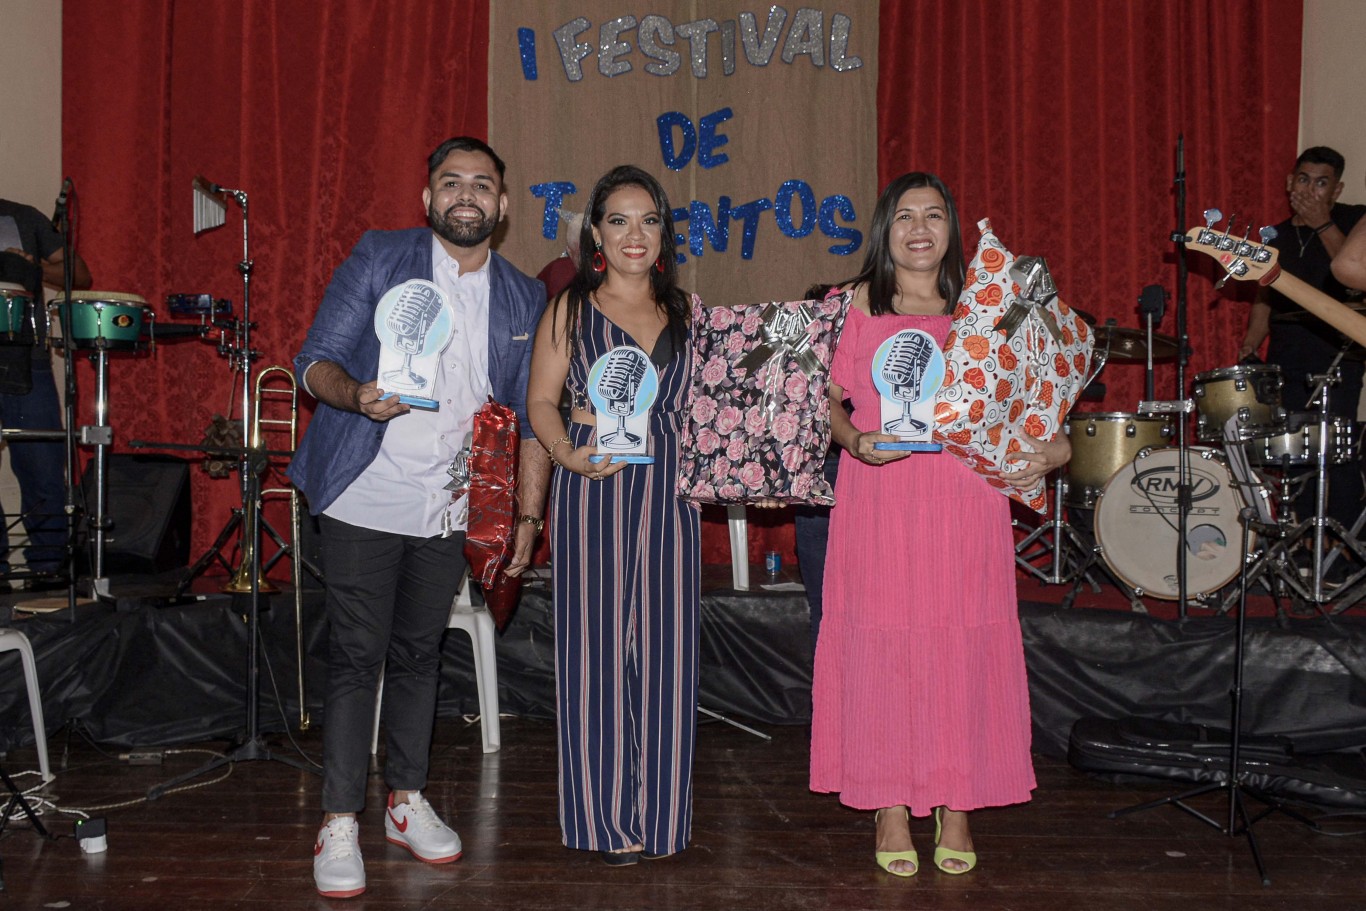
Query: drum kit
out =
(1117, 501)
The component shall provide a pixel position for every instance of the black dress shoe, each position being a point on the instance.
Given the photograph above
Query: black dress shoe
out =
(619, 858)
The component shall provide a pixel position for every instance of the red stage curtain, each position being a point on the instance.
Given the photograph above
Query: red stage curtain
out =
(1059, 121)
(322, 112)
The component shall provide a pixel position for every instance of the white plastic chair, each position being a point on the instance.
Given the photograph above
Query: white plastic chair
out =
(478, 623)
(13, 639)
(739, 547)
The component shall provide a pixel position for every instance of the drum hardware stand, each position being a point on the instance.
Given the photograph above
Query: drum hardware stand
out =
(253, 746)
(1057, 539)
(1239, 821)
(1152, 304)
(1277, 557)
(1083, 575)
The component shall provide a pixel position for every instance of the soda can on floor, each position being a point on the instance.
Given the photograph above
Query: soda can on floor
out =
(773, 562)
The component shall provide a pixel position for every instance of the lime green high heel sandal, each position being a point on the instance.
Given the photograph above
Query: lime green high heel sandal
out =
(943, 855)
(886, 858)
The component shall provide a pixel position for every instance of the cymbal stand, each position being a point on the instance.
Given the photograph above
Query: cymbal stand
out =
(1277, 557)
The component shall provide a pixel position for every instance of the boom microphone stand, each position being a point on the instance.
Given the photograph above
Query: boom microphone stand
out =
(1239, 821)
(62, 221)
(253, 745)
(1182, 406)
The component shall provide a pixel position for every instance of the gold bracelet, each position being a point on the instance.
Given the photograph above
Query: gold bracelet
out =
(550, 450)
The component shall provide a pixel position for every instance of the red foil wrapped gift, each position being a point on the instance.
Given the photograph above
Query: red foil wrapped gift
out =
(492, 527)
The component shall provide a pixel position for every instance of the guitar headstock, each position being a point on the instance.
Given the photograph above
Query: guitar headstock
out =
(1241, 257)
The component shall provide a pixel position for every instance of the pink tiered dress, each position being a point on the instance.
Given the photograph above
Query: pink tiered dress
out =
(920, 694)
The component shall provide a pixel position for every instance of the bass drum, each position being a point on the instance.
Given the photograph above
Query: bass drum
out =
(1136, 524)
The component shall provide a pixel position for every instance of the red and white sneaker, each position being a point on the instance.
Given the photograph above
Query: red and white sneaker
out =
(338, 871)
(414, 825)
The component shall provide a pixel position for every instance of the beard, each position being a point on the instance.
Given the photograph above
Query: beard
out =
(462, 233)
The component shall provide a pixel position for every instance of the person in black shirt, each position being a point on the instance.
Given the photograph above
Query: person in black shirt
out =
(31, 255)
(1299, 344)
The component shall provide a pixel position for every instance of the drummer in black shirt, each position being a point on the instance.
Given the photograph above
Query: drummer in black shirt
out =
(1300, 344)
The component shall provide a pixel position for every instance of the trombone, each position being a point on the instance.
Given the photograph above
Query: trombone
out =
(277, 386)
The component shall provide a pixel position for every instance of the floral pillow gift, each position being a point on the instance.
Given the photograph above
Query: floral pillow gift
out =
(1015, 363)
(758, 422)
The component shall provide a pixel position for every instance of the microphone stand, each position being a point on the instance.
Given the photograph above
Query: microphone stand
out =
(1181, 406)
(1183, 496)
(69, 507)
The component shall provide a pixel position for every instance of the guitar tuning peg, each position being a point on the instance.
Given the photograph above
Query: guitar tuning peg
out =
(1267, 234)
(1212, 216)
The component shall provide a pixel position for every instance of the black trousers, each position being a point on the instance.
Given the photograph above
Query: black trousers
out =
(388, 601)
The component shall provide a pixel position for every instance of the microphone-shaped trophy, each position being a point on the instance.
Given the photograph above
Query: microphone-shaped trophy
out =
(622, 385)
(908, 369)
(414, 326)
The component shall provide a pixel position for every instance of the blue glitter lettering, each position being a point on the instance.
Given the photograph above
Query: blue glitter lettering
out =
(526, 48)
(749, 213)
(709, 139)
(782, 208)
(676, 160)
(553, 192)
(844, 207)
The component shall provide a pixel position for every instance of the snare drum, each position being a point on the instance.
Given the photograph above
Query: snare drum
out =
(1103, 443)
(1299, 444)
(104, 319)
(1137, 517)
(1250, 391)
(16, 315)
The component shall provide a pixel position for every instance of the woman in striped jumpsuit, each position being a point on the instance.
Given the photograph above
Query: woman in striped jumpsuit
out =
(626, 549)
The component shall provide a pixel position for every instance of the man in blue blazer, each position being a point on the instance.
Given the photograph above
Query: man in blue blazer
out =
(377, 472)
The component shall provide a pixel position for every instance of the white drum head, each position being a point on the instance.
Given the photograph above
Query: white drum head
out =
(1136, 524)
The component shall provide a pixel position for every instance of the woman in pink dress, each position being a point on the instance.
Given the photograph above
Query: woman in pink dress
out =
(920, 701)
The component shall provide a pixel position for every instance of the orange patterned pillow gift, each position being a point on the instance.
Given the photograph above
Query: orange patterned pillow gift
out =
(1015, 363)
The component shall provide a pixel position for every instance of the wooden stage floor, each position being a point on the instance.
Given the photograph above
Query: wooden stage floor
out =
(761, 840)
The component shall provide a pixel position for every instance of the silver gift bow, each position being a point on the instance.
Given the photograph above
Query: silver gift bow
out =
(1036, 292)
(786, 334)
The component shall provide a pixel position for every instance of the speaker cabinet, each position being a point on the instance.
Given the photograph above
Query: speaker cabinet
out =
(149, 508)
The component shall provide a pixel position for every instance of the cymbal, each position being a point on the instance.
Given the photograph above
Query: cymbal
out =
(1131, 345)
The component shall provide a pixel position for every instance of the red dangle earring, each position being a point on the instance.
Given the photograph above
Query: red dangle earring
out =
(659, 265)
(599, 261)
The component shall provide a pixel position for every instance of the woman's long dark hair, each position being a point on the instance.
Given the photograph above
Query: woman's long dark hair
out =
(663, 285)
(879, 272)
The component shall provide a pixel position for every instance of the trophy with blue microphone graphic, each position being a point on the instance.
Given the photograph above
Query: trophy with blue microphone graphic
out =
(622, 385)
(414, 326)
(908, 370)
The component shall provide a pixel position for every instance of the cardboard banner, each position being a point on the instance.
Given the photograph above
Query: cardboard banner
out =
(760, 122)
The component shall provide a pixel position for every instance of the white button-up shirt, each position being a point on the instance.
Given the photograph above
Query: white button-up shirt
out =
(403, 489)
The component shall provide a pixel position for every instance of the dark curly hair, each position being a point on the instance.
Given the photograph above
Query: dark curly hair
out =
(663, 284)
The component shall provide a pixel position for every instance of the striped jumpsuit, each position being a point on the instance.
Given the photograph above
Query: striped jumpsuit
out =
(627, 570)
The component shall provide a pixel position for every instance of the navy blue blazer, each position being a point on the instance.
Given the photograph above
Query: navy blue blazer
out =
(339, 445)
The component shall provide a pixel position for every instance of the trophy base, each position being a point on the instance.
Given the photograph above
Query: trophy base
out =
(420, 403)
(630, 458)
(910, 446)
